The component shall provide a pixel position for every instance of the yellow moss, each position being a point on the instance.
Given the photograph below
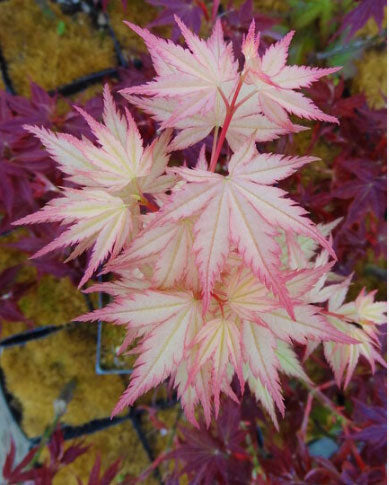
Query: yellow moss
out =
(2, 85)
(370, 29)
(302, 142)
(36, 374)
(138, 13)
(158, 393)
(119, 441)
(9, 256)
(316, 171)
(53, 302)
(7, 329)
(162, 439)
(371, 78)
(87, 94)
(35, 50)
(111, 339)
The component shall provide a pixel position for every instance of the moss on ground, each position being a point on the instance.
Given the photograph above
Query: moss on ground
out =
(36, 373)
(136, 12)
(119, 441)
(53, 301)
(49, 301)
(42, 44)
(90, 92)
(10, 256)
(112, 337)
(162, 439)
(371, 78)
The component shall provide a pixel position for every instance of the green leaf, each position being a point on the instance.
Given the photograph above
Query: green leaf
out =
(61, 27)
(306, 12)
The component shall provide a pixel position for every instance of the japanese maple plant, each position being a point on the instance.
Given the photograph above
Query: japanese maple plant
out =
(217, 271)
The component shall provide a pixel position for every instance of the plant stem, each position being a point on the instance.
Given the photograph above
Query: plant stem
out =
(215, 136)
(227, 120)
(307, 412)
(45, 439)
(325, 401)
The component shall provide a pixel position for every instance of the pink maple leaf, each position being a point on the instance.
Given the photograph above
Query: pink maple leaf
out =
(192, 75)
(274, 83)
(243, 210)
(114, 176)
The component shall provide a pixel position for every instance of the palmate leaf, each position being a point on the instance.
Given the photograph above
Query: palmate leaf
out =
(275, 82)
(241, 210)
(262, 358)
(358, 320)
(286, 360)
(366, 191)
(219, 342)
(194, 75)
(200, 389)
(289, 362)
(244, 332)
(112, 164)
(169, 320)
(306, 325)
(167, 247)
(246, 295)
(98, 219)
(113, 176)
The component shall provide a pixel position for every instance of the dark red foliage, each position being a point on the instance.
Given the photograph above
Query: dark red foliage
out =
(237, 21)
(27, 174)
(15, 474)
(353, 185)
(10, 292)
(190, 11)
(50, 263)
(360, 14)
(374, 424)
(60, 456)
(370, 417)
(107, 477)
(215, 455)
(366, 189)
